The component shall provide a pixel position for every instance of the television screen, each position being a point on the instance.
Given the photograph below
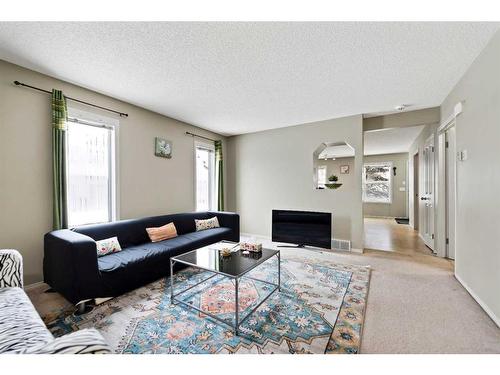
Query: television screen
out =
(302, 228)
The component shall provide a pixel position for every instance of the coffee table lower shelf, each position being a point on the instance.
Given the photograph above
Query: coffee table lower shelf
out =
(237, 321)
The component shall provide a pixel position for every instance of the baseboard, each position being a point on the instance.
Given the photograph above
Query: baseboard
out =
(259, 236)
(33, 286)
(483, 305)
(256, 236)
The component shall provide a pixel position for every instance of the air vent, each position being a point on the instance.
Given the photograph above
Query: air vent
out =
(342, 245)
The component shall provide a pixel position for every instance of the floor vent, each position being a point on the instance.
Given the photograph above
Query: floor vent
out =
(343, 245)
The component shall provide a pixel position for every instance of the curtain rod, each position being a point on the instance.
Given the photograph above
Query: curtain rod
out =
(199, 136)
(17, 83)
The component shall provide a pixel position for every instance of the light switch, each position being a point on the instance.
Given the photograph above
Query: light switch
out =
(464, 155)
(402, 188)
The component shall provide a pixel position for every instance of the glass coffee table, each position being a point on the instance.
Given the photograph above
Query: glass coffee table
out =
(235, 267)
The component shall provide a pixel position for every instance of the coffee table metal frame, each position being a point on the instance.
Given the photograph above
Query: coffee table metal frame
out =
(237, 321)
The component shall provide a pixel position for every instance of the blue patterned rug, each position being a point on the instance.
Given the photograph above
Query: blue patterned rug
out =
(320, 309)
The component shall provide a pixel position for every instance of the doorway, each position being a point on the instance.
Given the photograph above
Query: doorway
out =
(391, 190)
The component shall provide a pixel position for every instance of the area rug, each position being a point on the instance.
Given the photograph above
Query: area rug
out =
(320, 309)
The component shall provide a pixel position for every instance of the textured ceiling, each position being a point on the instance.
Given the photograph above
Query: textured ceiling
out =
(390, 141)
(236, 78)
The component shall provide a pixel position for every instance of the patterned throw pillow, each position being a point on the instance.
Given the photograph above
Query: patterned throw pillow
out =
(108, 246)
(207, 224)
(162, 233)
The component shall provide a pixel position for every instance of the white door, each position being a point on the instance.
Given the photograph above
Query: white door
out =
(427, 193)
(450, 168)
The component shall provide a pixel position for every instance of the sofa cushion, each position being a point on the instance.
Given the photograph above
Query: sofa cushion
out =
(206, 224)
(153, 251)
(107, 246)
(165, 232)
(195, 240)
(131, 255)
(20, 324)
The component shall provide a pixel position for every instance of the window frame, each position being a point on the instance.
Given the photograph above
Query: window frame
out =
(79, 116)
(390, 182)
(212, 181)
(321, 167)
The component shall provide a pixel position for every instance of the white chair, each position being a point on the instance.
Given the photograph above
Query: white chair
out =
(21, 328)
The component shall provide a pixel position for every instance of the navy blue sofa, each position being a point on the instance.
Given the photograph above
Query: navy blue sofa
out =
(72, 268)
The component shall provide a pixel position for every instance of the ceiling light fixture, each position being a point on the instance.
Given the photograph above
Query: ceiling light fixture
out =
(400, 107)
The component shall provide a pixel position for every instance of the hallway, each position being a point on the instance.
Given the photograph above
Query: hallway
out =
(415, 304)
(387, 235)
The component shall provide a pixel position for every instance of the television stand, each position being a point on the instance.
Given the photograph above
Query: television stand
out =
(300, 246)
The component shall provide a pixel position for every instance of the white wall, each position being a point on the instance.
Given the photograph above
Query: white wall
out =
(274, 169)
(477, 262)
(149, 185)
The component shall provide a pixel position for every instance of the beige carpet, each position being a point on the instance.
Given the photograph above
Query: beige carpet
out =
(415, 305)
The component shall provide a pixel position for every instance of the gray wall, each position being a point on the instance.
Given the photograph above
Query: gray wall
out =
(348, 181)
(149, 185)
(399, 198)
(477, 261)
(403, 119)
(274, 169)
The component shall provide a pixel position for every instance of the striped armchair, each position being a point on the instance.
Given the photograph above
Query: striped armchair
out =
(11, 268)
(21, 328)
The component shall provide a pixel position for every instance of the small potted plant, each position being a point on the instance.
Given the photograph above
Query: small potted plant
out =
(332, 182)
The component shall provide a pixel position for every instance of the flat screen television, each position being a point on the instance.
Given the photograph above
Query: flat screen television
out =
(302, 228)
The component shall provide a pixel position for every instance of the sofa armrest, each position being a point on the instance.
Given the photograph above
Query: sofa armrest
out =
(229, 220)
(11, 268)
(85, 341)
(70, 260)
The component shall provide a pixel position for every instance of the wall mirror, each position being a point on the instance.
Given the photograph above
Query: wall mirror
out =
(333, 164)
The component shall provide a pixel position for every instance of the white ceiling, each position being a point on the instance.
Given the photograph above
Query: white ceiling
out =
(236, 78)
(390, 141)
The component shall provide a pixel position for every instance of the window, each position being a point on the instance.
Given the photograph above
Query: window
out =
(90, 171)
(321, 176)
(377, 183)
(205, 176)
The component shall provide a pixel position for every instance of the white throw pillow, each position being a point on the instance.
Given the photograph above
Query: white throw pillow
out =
(108, 246)
(206, 224)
